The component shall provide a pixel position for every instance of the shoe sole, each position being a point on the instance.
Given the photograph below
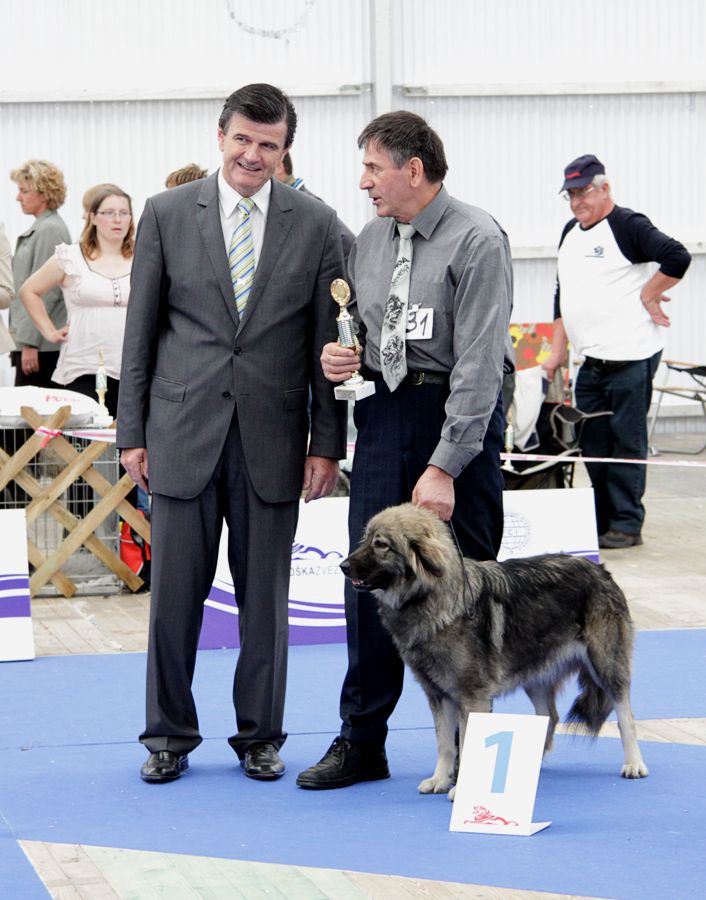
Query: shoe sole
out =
(636, 543)
(271, 776)
(342, 782)
(161, 779)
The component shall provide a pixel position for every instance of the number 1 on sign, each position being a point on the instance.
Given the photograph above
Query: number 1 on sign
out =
(503, 741)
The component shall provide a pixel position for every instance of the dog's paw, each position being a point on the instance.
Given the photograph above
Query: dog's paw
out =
(434, 785)
(635, 770)
(452, 794)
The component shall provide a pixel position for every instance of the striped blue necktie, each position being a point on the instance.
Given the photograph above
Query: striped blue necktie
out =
(241, 255)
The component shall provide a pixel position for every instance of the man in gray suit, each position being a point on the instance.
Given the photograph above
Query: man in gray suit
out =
(220, 389)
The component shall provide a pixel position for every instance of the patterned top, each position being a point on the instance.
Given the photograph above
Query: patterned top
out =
(97, 307)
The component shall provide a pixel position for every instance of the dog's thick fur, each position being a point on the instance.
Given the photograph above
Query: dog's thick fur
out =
(521, 623)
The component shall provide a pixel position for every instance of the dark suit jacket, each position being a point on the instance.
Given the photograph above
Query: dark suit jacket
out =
(189, 360)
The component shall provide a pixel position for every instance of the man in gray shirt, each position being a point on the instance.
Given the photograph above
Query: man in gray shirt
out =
(435, 437)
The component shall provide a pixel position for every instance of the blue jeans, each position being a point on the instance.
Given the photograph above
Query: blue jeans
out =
(626, 392)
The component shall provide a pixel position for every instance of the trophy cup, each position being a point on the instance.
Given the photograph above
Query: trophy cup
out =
(355, 387)
(103, 418)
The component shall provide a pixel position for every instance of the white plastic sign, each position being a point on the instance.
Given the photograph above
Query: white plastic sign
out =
(498, 775)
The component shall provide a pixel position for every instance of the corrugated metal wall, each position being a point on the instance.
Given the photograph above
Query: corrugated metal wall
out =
(516, 88)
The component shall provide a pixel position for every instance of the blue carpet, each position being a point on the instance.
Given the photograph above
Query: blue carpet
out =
(17, 876)
(69, 761)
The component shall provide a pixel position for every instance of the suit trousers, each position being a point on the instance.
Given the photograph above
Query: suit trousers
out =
(617, 488)
(397, 434)
(185, 540)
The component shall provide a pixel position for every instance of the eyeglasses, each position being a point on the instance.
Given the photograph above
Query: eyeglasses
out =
(112, 213)
(577, 193)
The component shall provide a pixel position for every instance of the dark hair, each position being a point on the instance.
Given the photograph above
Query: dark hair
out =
(262, 103)
(192, 172)
(89, 240)
(405, 135)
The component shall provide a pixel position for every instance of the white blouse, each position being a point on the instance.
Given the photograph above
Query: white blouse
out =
(97, 307)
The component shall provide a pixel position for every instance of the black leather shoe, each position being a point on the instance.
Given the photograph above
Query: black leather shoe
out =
(164, 765)
(345, 763)
(618, 540)
(262, 761)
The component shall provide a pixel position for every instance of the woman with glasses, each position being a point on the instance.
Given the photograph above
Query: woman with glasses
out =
(95, 278)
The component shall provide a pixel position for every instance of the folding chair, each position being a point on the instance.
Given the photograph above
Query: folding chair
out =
(695, 392)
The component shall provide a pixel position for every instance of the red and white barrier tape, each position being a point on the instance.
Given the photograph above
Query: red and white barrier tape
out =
(545, 457)
(47, 434)
(542, 457)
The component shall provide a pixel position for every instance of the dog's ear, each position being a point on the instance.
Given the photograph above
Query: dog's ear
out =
(429, 554)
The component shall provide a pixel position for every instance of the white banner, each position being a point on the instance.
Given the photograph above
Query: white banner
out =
(16, 638)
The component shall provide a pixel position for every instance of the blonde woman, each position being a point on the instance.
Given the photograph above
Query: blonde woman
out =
(95, 277)
(41, 191)
(6, 289)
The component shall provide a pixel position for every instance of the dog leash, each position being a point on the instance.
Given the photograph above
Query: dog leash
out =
(466, 582)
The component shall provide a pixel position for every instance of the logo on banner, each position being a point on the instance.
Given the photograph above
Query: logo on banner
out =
(299, 551)
(313, 561)
(516, 533)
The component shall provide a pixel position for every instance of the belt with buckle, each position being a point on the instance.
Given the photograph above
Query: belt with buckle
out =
(415, 378)
(606, 365)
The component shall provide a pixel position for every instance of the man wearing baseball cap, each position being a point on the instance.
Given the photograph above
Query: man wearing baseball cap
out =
(608, 304)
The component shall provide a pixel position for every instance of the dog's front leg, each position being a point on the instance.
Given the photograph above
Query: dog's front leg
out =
(482, 706)
(445, 721)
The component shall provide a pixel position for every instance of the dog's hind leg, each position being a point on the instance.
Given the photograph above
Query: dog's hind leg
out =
(543, 697)
(445, 723)
(633, 766)
(609, 670)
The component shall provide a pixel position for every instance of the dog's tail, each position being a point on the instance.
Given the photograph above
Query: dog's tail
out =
(591, 708)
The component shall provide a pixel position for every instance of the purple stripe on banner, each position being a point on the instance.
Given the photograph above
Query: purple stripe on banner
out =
(15, 607)
(221, 596)
(299, 634)
(219, 628)
(14, 583)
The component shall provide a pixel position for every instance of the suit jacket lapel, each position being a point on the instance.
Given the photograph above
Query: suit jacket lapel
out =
(208, 219)
(279, 222)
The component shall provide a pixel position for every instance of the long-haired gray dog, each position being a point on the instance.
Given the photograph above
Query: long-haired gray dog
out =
(471, 636)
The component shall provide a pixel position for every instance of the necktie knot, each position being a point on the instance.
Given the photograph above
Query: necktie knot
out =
(245, 206)
(405, 231)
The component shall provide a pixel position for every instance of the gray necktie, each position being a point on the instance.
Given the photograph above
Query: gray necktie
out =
(393, 359)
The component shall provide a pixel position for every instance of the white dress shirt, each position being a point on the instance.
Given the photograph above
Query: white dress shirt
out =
(228, 199)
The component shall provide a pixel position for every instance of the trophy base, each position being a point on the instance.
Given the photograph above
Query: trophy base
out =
(353, 392)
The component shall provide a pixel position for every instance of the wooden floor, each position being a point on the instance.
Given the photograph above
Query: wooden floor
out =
(663, 581)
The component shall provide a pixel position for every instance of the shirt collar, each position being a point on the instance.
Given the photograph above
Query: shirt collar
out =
(35, 222)
(229, 198)
(426, 221)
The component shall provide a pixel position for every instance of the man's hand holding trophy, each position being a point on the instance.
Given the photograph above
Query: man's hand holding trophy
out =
(341, 361)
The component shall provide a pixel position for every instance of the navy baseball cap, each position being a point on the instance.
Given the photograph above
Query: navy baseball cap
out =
(581, 171)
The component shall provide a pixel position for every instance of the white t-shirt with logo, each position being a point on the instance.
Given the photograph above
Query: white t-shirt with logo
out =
(601, 271)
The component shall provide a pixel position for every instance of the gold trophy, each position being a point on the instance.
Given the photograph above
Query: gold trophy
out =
(355, 387)
(102, 419)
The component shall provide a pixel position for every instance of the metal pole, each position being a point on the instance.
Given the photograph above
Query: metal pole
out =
(381, 49)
